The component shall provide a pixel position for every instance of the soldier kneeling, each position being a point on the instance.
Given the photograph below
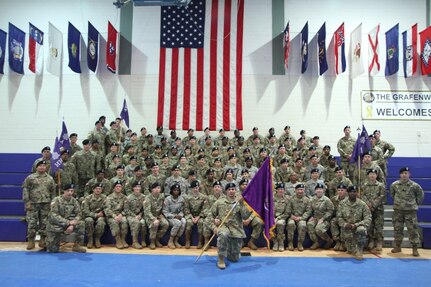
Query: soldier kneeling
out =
(65, 219)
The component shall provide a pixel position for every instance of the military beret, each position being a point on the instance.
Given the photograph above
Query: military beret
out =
(136, 183)
(314, 170)
(229, 170)
(313, 156)
(236, 131)
(86, 141)
(376, 131)
(155, 185)
(149, 136)
(302, 132)
(224, 138)
(133, 134)
(102, 117)
(300, 139)
(366, 153)
(232, 156)
(112, 123)
(263, 150)
(282, 145)
(133, 157)
(158, 146)
(215, 148)
(175, 167)
(194, 184)
(342, 186)
(100, 171)
(177, 138)
(176, 186)
(210, 170)
(190, 130)
(299, 185)
(207, 137)
(201, 150)
(230, 185)
(284, 160)
(216, 183)
(319, 185)
(346, 127)
(221, 130)
(69, 186)
(326, 147)
(271, 129)
(312, 148)
(244, 171)
(97, 185)
(159, 127)
(192, 138)
(120, 166)
(403, 169)
(143, 129)
(201, 156)
(230, 148)
(246, 150)
(192, 172)
(40, 162)
(64, 151)
(352, 188)
(114, 144)
(73, 135)
(248, 158)
(118, 119)
(138, 168)
(240, 138)
(298, 159)
(217, 159)
(148, 158)
(371, 136)
(173, 132)
(255, 129)
(165, 155)
(243, 181)
(174, 147)
(154, 164)
(287, 127)
(331, 157)
(128, 131)
(46, 148)
(279, 185)
(316, 137)
(371, 171)
(338, 168)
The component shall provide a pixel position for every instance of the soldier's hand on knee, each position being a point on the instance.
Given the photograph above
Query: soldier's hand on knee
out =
(156, 222)
(69, 229)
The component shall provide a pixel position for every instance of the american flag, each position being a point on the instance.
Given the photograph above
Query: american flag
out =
(200, 69)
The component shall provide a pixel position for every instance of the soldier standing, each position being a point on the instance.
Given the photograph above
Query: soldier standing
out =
(280, 214)
(173, 210)
(135, 215)
(195, 213)
(94, 216)
(38, 191)
(65, 217)
(354, 217)
(337, 236)
(156, 222)
(387, 149)
(407, 195)
(345, 147)
(86, 166)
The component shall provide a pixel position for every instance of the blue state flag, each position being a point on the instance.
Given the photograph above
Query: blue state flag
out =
(74, 48)
(56, 161)
(392, 51)
(362, 145)
(304, 48)
(321, 42)
(125, 113)
(16, 49)
(2, 49)
(64, 138)
(92, 47)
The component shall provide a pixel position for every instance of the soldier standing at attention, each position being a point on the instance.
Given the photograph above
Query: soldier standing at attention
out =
(156, 222)
(38, 191)
(94, 216)
(65, 217)
(337, 236)
(354, 217)
(173, 210)
(407, 195)
(135, 215)
(345, 147)
(116, 213)
(280, 214)
(387, 149)
(86, 166)
(194, 211)
(231, 234)
(46, 156)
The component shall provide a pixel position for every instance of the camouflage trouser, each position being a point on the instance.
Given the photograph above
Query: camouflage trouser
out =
(37, 218)
(189, 225)
(178, 226)
(207, 228)
(376, 227)
(318, 229)
(157, 232)
(229, 247)
(335, 230)
(256, 225)
(95, 227)
(349, 169)
(53, 238)
(281, 228)
(384, 166)
(355, 239)
(118, 228)
(137, 226)
(409, 217)
(291, 227)
(80, 190)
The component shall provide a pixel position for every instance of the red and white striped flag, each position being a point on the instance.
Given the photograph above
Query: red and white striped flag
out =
(200, 69)
(373, 51)
(35, 50)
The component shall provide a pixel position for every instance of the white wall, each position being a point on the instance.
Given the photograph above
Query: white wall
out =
(32, 107)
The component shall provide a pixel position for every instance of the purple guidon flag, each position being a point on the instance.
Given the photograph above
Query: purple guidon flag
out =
(258, 198)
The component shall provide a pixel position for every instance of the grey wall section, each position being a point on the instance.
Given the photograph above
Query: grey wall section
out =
(126, 29)
(277, 37)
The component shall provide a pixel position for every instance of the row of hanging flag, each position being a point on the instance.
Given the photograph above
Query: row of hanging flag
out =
(410, 54)
(36, 41)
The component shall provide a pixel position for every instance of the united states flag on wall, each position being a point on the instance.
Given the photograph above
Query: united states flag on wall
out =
(200, 69)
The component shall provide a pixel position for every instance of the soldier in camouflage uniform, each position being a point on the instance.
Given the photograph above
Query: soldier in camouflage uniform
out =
(367, 164)
(231, 234)
(156, 176)
(374, 195)
(337, 236)
(299, 209)
(216, 194)
(354, 217)
(74, 147)
(135, 215)
(387, 149)
(97, 134)
(173, 210)
(65, 217)
(86, 166)
(38, 191)
(407, 195)
(283, 171)
(68, 173)
(46, 156)
(345, 147)
(195, 213)
(99, 179)
(115, 210)
(339, 179)
(280, 214)
(322, 211)
(156, 221)
(94, 216)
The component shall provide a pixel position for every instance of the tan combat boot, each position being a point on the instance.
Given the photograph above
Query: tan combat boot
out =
(153, 244)
(90, 242)
(220, 262)
(187, 245)
(42, 243)
(171, 243)
(97, 243)
(251, 244)
(290, 246)
(200, 242)
(177, 244)
(379, 245)
(415, 251)
(281, 245)
(328, 243)
(275, 244)
(337, 245)
(30, 244)
(118, 241)
(396, 249)
(315, 245)
(77, 248)
(123, 240)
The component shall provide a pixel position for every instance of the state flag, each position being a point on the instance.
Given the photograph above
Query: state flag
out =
(16, 49)
(74, 48)
(35, 49)
(55, 58)
(410, 53)
(392, 51)
(286, 45)
(339, 47)
(92, 47)
(124, 115)
(3, 35)
(373, 51)
(357, 66)
(304, 48)
(425, 37)
(111, 49)
(321, 45)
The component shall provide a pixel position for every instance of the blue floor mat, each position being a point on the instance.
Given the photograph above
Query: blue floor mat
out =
(41, 269)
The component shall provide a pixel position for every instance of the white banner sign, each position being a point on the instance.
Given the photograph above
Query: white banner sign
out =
(396, 105)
